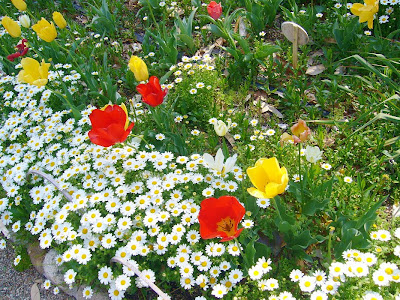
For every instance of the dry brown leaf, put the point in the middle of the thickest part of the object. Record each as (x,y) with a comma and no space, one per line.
(328,142)
(35,293)
(247,98)
(242,28)
(313,55)
(315,70)
(310,96)
(340,70)
(81,19)
(330,40)
(230,139)
(208,50)
(265,107)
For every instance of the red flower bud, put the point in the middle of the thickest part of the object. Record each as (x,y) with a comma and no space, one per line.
(151,92)
(214,10)
(110,125)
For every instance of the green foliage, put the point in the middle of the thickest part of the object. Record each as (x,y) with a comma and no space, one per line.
(103,21)
(261,13)
(185,37)
(25,262)
(199,103)
(167,42)
(345,34)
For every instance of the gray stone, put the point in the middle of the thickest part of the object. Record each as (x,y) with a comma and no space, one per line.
(52,272)
(36,255)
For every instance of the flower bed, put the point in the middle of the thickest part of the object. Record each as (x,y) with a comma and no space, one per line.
(141,205)
(190,186)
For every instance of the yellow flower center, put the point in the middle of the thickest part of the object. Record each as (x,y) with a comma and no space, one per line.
(226,225)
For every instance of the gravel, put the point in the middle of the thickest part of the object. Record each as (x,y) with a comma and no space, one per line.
(15,285)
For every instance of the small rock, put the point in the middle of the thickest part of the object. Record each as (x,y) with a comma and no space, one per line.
(52,272)
(37,255)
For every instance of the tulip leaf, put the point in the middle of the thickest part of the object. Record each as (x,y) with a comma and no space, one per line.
(262,250)
(249,254)
(304,239)
(283,226)
(282,212)
(187,40)
(266,50)
(311,207)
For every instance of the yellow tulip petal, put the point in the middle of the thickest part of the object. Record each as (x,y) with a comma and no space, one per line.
(355,9)
(40,82)
(272,189)
(284,181)
(59,20)
(127,119)
(139,68)
(257,175)
(271,168)
(19,4)
(11,26)
(256,193)
(370,23)
(365,16)
(29,64)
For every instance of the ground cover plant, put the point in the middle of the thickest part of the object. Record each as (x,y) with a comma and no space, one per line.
(181,138)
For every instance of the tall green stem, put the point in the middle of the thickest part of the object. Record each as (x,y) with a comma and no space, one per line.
(240,249)
(152,16)
(300,177)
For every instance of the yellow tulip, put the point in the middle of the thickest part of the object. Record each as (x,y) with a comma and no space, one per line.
(59,20)
(45,30)
(139,68)
(366,11)
(268,178)
(11,26)
(33,72)
(19,4)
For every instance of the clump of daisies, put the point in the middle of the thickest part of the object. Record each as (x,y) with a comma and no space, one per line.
(127,201)
(194,82)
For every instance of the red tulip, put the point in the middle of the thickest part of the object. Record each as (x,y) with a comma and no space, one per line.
(110,125)
(220,218)
(151,92)
(214,10)
(22,50)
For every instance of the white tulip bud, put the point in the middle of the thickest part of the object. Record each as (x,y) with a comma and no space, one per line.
(221,128)
(24,21)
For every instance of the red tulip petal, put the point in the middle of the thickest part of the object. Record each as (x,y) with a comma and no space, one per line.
(103,119)
(213,211)
(127,132)
(101,137)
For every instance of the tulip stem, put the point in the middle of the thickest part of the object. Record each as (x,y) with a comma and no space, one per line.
(300,177)
(142,138)
(70,54)
(34,20)
(76,113)
(238,245)
(152,16)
